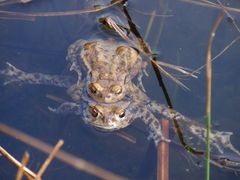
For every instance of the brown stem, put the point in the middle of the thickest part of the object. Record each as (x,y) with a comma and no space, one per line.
(163,153)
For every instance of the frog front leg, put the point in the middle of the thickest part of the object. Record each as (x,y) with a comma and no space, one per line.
(74,58)
(12,74)
(67,108)
(75,91)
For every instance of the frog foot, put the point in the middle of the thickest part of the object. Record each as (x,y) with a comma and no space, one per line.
(66,108)
(158,139)
(11,74)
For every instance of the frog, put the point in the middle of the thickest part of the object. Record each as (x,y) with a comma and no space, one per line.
(110,67)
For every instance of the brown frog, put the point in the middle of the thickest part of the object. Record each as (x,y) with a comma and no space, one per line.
(110,68)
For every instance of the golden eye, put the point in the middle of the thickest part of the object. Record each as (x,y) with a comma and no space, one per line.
(94,88)
(121,113)
(116,89)
(93,110)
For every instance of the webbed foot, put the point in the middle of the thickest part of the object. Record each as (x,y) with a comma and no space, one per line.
(66,108)
(75,92)
(12,74)
(74,54)
(154,126)
(158,138)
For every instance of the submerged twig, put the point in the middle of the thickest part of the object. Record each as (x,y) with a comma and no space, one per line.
(15,16)
(209,91)
(126,136)
(15,162)
(24,162)
(150,14)
(32,15)
(55,98)
(163,154)
(159,32)
(8,2)
(219,54)
(49,159)
(169,75)
(150,23)
(211,4)
(70,159)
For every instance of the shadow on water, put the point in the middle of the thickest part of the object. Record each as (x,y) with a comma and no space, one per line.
(41,46)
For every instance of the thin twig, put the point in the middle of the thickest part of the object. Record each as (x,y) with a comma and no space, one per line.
(150,23)
(49,159)
(8,2)
(15,15)
(212,5)
(219,54)
(24,162)
(159,32)
(163,154)
(15,162)
(126,136)
(169,75)
(229,15)
(150,14)
(70,159)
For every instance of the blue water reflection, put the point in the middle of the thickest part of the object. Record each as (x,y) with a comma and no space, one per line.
(41,46)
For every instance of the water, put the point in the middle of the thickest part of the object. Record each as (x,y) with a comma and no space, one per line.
(41,46)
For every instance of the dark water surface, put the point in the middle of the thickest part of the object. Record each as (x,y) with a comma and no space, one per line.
(41,46)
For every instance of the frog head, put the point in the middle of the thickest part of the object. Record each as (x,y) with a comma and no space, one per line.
(107,91)
(108,117)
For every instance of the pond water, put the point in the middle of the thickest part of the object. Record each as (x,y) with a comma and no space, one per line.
(181,39)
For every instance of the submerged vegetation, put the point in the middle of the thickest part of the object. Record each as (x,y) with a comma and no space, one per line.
(119,25)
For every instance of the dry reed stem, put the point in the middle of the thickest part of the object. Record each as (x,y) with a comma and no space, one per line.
(24,162)
(209,64)
(94,9)
(220,53)
(169,75)
(15,162)
(8,2)
(70,159)
(163,153)
(209,92)
(212,5)
(49,159)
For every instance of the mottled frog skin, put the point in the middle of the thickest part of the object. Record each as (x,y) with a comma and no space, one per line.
(110,67)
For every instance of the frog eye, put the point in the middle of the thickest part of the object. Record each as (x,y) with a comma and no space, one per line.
(121,113)
(116,89)
(94,88)
(93,110)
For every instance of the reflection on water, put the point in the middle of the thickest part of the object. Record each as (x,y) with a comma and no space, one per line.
(41,46)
